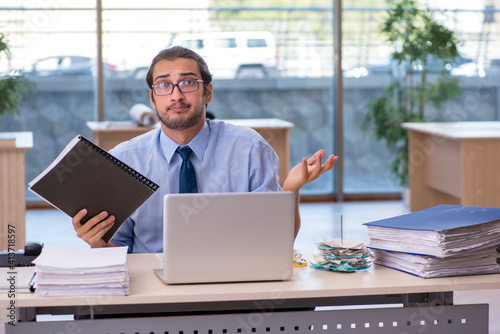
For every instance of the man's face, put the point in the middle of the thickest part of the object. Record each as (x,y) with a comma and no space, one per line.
(179,111)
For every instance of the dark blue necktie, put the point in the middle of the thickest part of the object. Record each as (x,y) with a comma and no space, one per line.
(187,177)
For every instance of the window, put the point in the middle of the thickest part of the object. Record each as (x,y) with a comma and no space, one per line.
(225,43)
(193,44)
(256,43)
(286,74)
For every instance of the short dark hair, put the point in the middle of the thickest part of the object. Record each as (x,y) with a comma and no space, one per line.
(180,52)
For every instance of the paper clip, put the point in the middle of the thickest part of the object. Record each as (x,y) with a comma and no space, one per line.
(298,261)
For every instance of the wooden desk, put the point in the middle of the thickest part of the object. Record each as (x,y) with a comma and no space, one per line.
(275,131)
(307,288)
(109,134)
(13,189)
(454,163)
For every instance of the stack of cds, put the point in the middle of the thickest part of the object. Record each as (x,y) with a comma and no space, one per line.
(341,255)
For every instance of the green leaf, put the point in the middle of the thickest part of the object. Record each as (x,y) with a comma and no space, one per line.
(416,36)
(12,87)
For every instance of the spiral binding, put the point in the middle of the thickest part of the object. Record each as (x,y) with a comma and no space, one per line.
(123,166)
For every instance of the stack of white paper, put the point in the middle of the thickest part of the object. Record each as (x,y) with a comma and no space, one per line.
(483,261)
(341,255)
(62,271)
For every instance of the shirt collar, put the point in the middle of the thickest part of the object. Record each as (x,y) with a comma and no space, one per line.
(198,144)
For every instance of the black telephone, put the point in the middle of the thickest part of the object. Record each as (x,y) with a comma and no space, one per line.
(21,258)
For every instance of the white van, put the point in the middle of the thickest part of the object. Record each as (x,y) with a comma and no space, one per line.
(234,54)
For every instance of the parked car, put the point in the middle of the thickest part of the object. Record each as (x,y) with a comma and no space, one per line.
(67,66)
(234,54)
(391,68)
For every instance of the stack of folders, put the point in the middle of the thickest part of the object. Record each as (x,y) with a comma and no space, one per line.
(62,271)
(445,240)
(341,255)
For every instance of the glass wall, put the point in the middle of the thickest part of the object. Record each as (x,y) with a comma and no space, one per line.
(54,46)
(270,59)
(266,63)
(368,69)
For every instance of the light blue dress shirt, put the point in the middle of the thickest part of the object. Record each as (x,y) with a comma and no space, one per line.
(226,158)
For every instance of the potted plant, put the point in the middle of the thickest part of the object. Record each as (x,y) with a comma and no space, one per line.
(417,39)
(12,86)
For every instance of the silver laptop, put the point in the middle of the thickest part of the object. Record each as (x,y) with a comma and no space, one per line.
(227,237)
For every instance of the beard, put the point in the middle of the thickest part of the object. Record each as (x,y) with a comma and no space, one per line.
(181,123)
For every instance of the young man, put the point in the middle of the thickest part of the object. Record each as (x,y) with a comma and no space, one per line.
(225,158)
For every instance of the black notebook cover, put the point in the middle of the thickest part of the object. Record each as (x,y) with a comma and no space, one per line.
(86,176)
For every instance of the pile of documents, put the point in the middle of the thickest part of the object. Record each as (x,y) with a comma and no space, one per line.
(483,261)
(445,240)
(62,271)
(341,255)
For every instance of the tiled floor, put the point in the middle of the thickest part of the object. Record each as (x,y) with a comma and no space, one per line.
(319,221)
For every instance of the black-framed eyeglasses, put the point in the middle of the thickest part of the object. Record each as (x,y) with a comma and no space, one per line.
(185,86)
